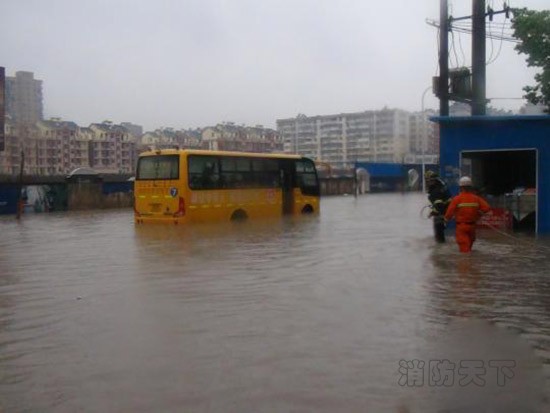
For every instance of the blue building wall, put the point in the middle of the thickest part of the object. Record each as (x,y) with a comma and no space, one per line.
(485,133)
(390,176)
(384,176)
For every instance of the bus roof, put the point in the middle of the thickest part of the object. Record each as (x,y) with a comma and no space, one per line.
(219,153)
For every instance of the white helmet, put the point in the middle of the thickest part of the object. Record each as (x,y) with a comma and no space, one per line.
(465,181)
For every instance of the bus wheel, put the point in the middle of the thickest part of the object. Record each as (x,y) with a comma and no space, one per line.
(308,209)
(239,215)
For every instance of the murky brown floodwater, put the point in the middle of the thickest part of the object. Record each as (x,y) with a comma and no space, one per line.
(308,315)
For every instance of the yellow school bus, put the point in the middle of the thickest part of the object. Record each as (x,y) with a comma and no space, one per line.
(178,186)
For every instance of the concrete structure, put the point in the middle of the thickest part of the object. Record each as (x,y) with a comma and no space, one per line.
(342,139)
(24,97)
(508,158)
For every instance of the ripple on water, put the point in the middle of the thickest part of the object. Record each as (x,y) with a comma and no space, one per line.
(295,314)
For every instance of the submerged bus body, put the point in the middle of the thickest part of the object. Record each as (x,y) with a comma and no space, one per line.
(179,186)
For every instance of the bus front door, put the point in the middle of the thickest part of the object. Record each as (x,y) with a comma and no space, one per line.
(287,183)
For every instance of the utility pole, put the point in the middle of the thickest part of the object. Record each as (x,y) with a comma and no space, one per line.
(478,57)
(443,87)
(476,97)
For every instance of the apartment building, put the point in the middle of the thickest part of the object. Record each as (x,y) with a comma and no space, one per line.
(342,139)
(52,150)
(112,148)
(10,158)
(56,147)
(231,137)
(24,97)
(169,138)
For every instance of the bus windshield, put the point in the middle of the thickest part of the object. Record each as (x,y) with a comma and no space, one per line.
(158,167)
(307,177)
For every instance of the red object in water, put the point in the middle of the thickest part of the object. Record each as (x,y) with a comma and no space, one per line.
(497,218)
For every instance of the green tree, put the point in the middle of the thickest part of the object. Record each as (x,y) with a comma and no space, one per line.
(533,29)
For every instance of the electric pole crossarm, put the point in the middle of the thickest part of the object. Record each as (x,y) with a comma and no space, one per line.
(489,13)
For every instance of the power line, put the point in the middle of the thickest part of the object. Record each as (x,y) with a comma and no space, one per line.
(492,50)
(499,48)
(461,49)
(468,30)
(453,49)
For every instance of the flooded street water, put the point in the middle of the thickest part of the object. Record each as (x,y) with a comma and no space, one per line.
(304,315)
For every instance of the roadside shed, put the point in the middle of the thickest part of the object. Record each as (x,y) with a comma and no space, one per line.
(508,158)
(84,175)
(382,177)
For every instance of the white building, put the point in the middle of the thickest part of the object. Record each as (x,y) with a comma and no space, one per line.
(424,134)
(342,139)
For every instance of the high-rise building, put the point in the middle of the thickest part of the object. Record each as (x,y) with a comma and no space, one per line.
(424,134)
(24,98)
(342,139)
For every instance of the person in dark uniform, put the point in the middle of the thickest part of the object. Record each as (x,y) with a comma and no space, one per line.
(439,197)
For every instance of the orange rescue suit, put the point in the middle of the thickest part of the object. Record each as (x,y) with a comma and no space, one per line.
(466,208)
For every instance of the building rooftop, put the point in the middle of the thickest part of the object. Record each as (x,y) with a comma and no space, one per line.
(477,119)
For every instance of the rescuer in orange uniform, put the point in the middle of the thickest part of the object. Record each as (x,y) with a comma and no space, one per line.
(466,208)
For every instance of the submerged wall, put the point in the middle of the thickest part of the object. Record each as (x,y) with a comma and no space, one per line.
(66,196)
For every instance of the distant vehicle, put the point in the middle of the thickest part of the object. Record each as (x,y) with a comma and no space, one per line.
(179,186)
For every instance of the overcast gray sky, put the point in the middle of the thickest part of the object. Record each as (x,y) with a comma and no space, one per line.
(194,63)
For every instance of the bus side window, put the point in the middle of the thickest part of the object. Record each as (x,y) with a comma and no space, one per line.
(265,173)
(203,172)
(243,176)
(211,174)
(228,172)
